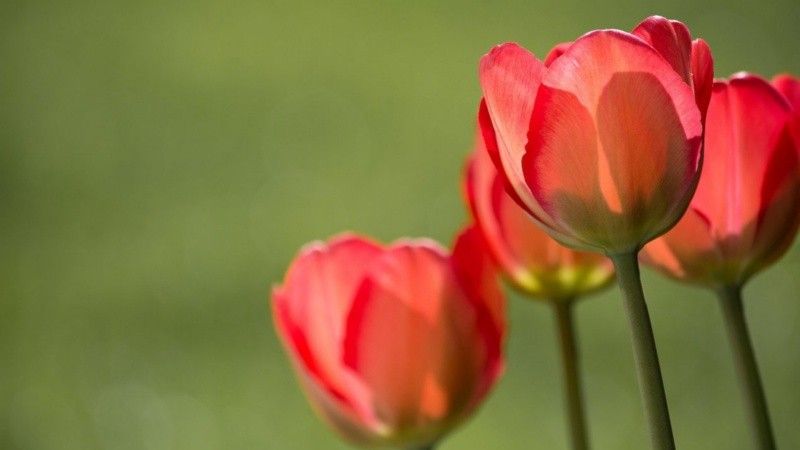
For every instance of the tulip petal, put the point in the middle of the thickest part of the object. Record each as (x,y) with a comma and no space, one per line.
(310,311)
(789,86)
(403,338)
(477,274)
(687,251)
(556,52)
(630,177)
(702,75)
(534,211)
(510,77)
(746,119)
(517,242)
(489,138)
(672,40)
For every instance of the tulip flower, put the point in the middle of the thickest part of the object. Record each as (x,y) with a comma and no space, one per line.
(394,345)
(744,216)
(602,147)
(538,266)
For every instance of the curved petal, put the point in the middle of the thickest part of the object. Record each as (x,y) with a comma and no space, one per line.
(614,144)
(510,77)
(310,310)
(556,52)
(672,40)
(691,59)
(488,138)
(477,276)
(746,119)
(687,252)
(702,75)
(779,218)
(409,339)
(789,86)
(488,145)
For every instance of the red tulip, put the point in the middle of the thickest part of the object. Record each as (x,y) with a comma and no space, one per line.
(393,345)
(746,211)
(602,147)
(532,260)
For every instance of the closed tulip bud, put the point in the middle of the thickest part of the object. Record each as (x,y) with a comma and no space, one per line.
(394,345)
(746,211)
(602,145)
(534,262)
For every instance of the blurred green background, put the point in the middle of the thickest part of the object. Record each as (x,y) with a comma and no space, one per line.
(162,161)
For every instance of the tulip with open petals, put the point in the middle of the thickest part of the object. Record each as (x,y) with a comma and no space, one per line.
(744,216)
(394,345)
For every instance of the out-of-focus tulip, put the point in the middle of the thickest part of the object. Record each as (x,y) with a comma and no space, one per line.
(746,211)
(395,345)
(532,260)
(602,146)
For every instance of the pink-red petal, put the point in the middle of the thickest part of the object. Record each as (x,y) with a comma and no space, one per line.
(510,77)
(403,339)
(556,52)
(746,119)
(672,40)
(702,75)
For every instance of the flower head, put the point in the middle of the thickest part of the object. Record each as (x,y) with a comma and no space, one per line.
(394,345)
(602,146)
(746,211)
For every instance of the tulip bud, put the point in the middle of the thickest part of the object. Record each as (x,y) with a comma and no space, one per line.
(393,345)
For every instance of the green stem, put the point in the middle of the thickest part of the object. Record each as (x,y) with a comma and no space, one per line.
(572,384)
(755,403)
(651,385)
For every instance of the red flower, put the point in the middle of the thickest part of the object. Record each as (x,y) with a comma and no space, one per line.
(393,345)
(532,260)
(746,211)
(602,147)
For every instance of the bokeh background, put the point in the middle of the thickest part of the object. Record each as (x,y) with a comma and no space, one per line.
(162,161)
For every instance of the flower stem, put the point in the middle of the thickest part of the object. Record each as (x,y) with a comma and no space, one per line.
(755,403)
(651,385)
(572,383)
